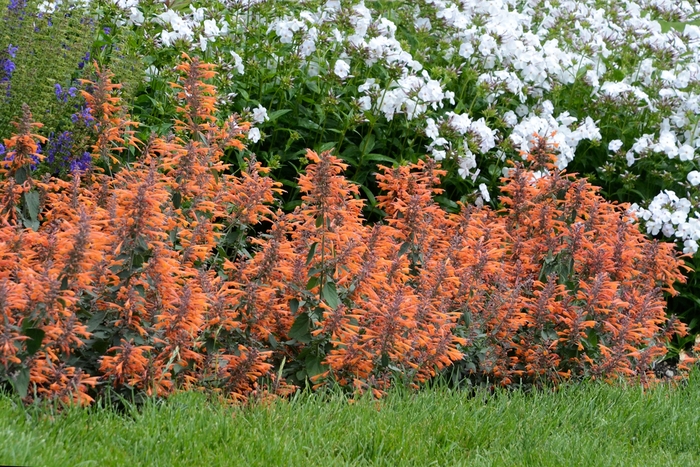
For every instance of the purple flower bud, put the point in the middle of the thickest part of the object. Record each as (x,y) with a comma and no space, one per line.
(84,60)
(7,67)
(17,5)
(83,115)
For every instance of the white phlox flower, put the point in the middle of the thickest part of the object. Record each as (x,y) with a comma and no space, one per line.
(341,69)
(254,135)
(260,114)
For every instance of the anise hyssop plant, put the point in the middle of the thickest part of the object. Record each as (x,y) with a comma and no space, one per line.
(162,273)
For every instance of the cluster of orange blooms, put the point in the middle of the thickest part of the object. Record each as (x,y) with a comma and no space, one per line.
(128,281)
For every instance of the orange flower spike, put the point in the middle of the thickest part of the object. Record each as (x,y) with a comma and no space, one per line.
(113,122)
(10,342)
(325,191)
(234,131)
(22,147)
(199,98)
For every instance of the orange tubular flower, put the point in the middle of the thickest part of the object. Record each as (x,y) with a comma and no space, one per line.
(128,365)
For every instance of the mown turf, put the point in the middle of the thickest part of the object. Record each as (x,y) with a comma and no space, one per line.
(592,424)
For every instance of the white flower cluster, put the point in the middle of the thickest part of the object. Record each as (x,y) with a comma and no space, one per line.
(259,115)
(472,130)
(49,6)
(667,143)
(184,27)
(557,130)
(412,95)
(135,14)
(670,215)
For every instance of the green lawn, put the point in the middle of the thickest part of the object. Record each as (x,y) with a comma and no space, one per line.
(592,424)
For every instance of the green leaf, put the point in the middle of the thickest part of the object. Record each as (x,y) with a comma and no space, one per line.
(277,114)
(350,155)
(22,175)
(30,224)
(314,271)
(404,248)
(367,144)
(380,158)
(232,237)
(326,146)
(319,221)
(313,365)
(33,344)
(20,382)
(179,4)
(330,295)
(31,200)
(141,244)
(385,359)
(210,345)
(370,196)
(177,199)
(447,203)
(679,26)
(306,123)
(312,250)
(294,306)
(549,334)
(313,86)
(591,339)
(300,329)
(289,206)
(313,282)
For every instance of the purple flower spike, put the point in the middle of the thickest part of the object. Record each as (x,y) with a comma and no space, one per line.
(7,67)
(59,148)
(82,164)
